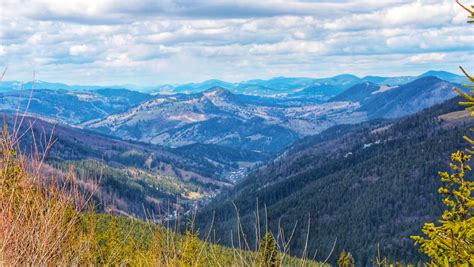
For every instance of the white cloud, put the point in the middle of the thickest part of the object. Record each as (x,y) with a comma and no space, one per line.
(288,47)
(150,42)
(427,58)
(77,50)
(117,12)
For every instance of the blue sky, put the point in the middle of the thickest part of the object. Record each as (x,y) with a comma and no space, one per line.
(148,42)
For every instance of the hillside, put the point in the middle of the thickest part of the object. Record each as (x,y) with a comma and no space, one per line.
(242,122)
(364,184)
(267,125)
(385,101)
(409,98)
(48,219)
(360,92)
(72,107)
(137,177)
(185,150)
(220,117)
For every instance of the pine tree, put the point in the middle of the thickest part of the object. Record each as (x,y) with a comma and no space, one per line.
(268,251)
(452,241)
(346,259)
(191,248)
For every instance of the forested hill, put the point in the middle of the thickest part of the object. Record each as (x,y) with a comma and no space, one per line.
(367,184)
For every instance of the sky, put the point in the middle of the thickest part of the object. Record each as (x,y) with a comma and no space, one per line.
(152,42)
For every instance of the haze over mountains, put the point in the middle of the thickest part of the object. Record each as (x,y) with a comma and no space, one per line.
(272,87)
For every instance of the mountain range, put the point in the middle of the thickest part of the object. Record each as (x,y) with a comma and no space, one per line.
(249,125)
(278,86)
(318,88)
(354,155)
(217,116)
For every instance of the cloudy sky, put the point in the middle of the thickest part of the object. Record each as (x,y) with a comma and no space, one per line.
(149,42)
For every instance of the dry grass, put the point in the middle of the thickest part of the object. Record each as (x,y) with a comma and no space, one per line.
(35,223)
(38,217)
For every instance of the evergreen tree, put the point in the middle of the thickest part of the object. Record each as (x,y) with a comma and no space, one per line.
(346,259)
(191,248)
(452,242)
(268,251)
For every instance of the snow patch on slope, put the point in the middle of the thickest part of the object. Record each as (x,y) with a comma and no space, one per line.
(384,88)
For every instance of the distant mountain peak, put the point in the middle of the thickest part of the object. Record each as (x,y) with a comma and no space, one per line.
(218,91)
(444,75)
(428,78)
(358,92)
(220,94)
(437,72)
(346,76)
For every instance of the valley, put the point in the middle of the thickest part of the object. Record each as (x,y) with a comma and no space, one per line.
(236,133)
(372,183)
(321,148)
